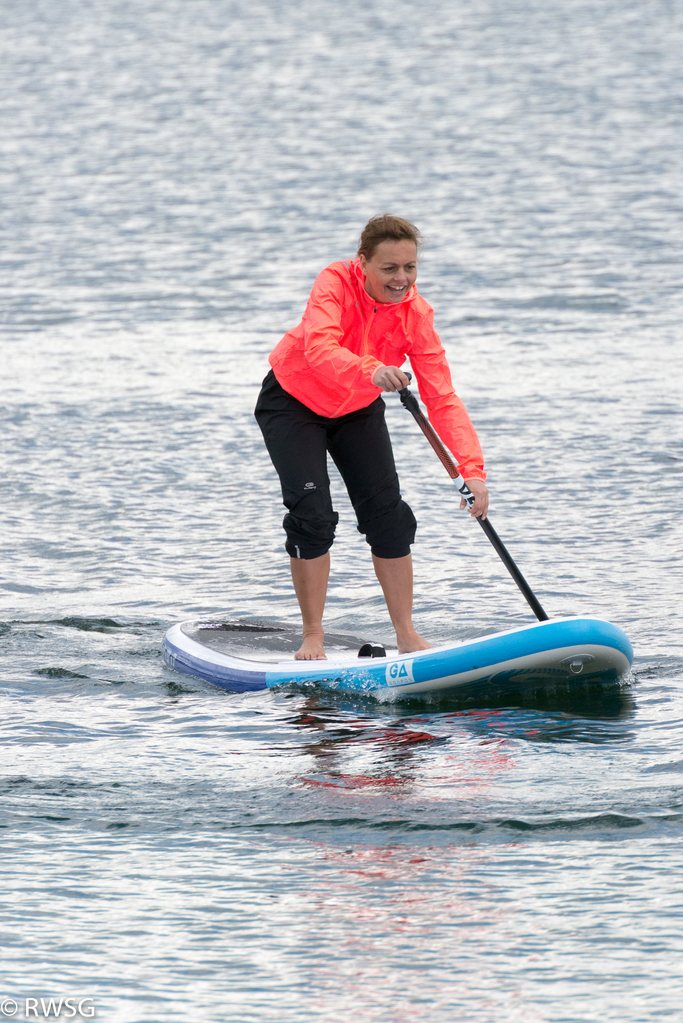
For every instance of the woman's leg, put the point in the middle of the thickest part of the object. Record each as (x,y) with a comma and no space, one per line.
(395,576)
(296,439)
(310,585)
(361,449)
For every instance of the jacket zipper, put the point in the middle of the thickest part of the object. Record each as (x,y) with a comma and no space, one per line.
(367,333)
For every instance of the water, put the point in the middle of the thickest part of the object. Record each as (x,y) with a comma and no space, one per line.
(174,175)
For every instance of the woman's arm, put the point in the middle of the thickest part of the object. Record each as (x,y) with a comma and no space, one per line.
(391,378)
(446,411)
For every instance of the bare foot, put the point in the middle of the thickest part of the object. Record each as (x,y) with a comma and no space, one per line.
(409,642)
(311,649)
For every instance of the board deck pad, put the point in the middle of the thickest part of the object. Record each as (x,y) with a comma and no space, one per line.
(265,641)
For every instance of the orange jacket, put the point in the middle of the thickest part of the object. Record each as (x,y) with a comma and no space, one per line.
(329,360)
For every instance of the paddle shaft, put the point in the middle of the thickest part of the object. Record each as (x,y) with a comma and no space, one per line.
(410,402)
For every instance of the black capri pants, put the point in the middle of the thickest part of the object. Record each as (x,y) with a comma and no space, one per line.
(298,440)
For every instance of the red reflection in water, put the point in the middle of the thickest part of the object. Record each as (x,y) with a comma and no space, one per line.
(351,781)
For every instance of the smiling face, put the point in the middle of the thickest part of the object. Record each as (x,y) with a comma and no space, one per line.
(391,271)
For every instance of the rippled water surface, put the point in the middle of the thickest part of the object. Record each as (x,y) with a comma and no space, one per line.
(173,176)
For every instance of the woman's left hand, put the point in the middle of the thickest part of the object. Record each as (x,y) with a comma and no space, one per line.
(481,498)
(390,378)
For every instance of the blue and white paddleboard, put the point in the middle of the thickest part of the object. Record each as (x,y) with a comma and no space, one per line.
(566,652)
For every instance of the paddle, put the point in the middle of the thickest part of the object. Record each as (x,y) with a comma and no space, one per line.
(410,402)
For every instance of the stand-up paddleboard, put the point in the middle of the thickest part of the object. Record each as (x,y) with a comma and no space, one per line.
(550,653)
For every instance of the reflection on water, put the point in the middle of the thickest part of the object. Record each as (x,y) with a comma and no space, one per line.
(400,755)
(588,713)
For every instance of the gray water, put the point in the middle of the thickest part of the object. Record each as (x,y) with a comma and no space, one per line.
(173,175)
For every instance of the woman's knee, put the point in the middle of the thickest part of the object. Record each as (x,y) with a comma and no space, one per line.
(310,527)
(391,532)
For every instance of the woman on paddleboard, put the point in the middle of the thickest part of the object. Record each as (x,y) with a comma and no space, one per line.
(363,318)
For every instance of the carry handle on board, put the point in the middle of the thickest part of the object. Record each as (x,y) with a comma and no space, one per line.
(410,402)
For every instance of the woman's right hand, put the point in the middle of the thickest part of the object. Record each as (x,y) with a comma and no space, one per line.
(390,378)
(481,498)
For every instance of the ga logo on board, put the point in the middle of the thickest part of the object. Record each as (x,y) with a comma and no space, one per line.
(399,673)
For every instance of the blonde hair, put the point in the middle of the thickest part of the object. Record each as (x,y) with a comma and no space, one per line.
(386,227)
